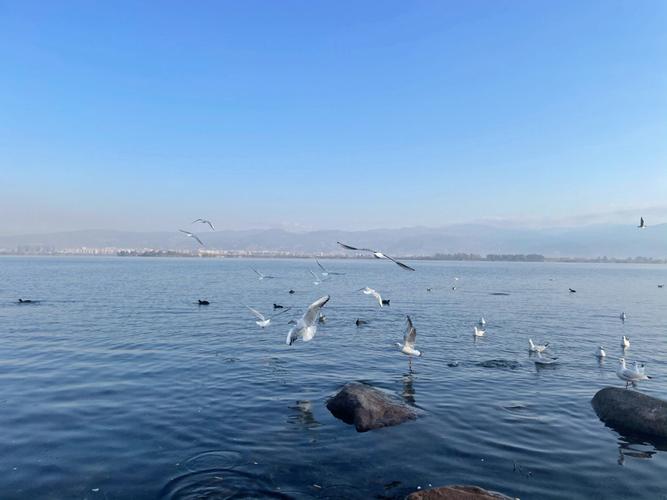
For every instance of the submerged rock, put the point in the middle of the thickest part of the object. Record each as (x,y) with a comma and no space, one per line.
(457,492)
(631,411)
(500,363)
(368,408)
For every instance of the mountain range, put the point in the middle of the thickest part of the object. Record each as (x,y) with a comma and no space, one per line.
(587,241)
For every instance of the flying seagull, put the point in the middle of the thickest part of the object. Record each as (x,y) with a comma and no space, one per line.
(630,376)
(263,321)
(370,291)
(409,340)
(642,224)
(192,235)
(326,272)
(317,279)
(204,221)
(262,276)
(376,254)
(306,326)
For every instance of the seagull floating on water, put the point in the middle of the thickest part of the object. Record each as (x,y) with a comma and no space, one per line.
(409,340)
(370,291)
(192,235)
(630,376)
(600,352)
(263,321)
(478,332)
(625,342)
(376,254)
(537,347)
(482,322)
(204,221)
(642,224)
(326,272)
(306,326)
(262,276)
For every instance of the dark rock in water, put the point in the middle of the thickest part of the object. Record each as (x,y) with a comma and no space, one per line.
(631,411)
(457,492)
(500,363)
(368,408)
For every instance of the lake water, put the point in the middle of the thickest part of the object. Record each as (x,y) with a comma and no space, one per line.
(117,385)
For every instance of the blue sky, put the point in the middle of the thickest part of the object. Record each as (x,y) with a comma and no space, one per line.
(351,115)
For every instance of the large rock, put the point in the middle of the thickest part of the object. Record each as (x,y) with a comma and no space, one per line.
(457,492)
(368,408)
(631,411)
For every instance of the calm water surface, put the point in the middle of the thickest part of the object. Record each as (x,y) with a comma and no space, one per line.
(117,385)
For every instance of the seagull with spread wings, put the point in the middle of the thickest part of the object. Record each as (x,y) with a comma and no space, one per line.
(376,254)
(192,235)
(262,276)
(306,326)
(369,291)
(204,221)
(409,340)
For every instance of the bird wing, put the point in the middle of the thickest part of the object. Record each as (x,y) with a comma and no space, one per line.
(257,272)
(310,317)
(210,224)
(317,278)
(196,220)
(198,240)
(377,296)
(410,336)
(257,313)
(404,266)
(349,247)
(186,232)
(321,266)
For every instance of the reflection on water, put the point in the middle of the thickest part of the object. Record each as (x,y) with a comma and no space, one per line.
(303,414)
(408,393)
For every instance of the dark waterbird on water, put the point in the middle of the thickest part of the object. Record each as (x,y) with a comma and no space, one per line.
(291,292)
(25,301)
(385,302)
(360,322)
(642,224)
(203,302)
(572,290)
(376,254)
(278,306)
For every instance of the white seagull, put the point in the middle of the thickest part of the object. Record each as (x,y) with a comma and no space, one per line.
(478,332)
(204,221)
(542,361)
(482,322)
(306,326)
(409,340)
(262,320)
(630,376)
(537,348)
(262,276)
(192,235)
(376,254)
(642,224)
(370,291)
(625,342)
(326,272)
(600,352)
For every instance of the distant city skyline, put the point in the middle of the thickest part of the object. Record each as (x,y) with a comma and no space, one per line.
(346,115)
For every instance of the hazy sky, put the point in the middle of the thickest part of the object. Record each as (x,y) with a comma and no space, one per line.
(146,115)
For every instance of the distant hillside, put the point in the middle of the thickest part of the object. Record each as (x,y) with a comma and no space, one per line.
(589,241)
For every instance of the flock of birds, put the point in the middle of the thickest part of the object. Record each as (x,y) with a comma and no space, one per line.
(306,327)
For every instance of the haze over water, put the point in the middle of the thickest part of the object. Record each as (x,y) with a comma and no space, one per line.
(117,385)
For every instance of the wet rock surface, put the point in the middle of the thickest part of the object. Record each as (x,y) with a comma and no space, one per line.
(627,410)
(457,492)
(368,408)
